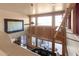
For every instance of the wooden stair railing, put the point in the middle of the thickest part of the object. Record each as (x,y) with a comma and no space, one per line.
(61,30)
(59,34)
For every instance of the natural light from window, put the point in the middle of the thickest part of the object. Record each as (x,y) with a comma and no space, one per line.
(45,21)
(58,20)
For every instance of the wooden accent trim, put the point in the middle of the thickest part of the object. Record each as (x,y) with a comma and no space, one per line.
(29,35)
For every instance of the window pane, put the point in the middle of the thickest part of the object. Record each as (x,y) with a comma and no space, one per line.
(58,20)
(39,42)
(45,21)
(50,46)
(58,48)
(33,41)
(45,44)
(33,20)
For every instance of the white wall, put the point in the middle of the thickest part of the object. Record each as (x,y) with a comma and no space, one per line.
(12,15)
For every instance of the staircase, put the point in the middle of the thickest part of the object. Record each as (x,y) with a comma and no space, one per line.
(49,32)
(61,31)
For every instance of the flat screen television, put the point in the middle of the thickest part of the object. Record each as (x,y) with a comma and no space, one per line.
(13,25)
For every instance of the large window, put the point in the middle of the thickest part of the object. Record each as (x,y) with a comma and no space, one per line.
(13,25)
(51,20)
(45,21)
(45,44)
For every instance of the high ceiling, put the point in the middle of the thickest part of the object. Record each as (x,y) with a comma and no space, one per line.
(28,8)
(22,8)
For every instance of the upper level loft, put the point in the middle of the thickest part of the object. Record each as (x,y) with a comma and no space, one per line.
(43,26)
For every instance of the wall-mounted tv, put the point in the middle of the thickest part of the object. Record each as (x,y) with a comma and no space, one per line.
(13,25)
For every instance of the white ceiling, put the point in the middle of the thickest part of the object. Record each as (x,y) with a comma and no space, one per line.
(23,8)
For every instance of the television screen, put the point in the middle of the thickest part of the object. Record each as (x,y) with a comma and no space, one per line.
(13,25)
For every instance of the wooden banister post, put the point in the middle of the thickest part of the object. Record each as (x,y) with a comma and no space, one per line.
(53,40)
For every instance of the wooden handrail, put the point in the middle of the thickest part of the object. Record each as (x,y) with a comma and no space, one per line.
(62,29)
(67,13)
(53,35)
